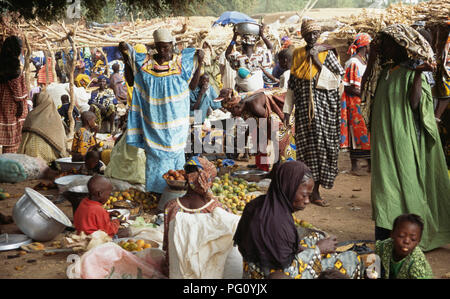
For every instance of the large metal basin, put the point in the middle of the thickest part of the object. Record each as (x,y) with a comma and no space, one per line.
(253,175)
(248,28)
(38,217)
(64,182)
(66,164)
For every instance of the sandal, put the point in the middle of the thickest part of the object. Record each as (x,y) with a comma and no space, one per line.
(320,202)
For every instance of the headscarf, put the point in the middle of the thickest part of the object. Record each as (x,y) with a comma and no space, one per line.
(140,48)
(9,58)
(101,77)
(416,47)
(286,42)
(309,25)
(361,40)
(45,121)
(201,180)
(266,233)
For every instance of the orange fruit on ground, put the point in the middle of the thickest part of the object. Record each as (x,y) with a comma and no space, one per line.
(140,243)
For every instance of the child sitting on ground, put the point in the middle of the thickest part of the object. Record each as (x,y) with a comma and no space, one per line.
(84,139)
(401,257)
(90,215)
(93,164)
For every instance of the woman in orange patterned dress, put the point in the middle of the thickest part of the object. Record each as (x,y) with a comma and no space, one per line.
(354,133)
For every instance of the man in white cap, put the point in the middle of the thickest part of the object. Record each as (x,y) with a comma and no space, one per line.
(158,120)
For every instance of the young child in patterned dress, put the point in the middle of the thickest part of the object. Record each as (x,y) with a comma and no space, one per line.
(401,257)
(84,138)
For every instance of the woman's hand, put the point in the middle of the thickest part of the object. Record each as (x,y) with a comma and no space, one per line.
(235,33)
(200,56)
(261,30)
(327,245)
(426,67)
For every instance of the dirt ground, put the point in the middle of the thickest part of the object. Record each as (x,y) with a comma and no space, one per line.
(348,217)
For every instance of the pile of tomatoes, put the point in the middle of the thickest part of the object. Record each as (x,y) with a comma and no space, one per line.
(175,175)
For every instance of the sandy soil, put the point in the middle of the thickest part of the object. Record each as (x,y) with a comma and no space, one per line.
(342,218)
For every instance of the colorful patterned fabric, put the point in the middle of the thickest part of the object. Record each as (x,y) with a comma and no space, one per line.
(99,68)
(158,120)
(274,113)
(201,180)
(42,74)
(409,173)
(12,91)
(354,133)
(416,47)
(309,263)
(361,40)
(105,98)
(82,141)
(444,82)
(82,80)
(414,266)
(261,57)
(308,26)
(317,143)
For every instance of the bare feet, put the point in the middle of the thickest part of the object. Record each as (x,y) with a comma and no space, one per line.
(315,197)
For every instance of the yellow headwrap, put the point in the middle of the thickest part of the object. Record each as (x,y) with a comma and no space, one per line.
(140,48)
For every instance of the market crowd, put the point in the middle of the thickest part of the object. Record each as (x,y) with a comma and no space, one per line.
(388,104)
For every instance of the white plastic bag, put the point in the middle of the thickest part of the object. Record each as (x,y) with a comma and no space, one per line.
(111,261)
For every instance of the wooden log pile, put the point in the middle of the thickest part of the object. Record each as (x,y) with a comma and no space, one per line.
(185,30)
(371,21)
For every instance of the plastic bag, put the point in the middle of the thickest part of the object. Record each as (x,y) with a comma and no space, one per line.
(110,261)
(11,171)
(56,90)
(34,168)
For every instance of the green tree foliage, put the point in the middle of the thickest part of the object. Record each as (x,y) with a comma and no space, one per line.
(50,10)
(107,10)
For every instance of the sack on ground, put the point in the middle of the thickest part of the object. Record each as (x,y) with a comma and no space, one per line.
(16,168)
(110,261)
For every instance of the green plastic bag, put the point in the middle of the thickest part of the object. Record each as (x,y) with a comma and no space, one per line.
(11,171)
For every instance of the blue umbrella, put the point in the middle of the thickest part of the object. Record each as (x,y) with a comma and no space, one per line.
(233,17)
